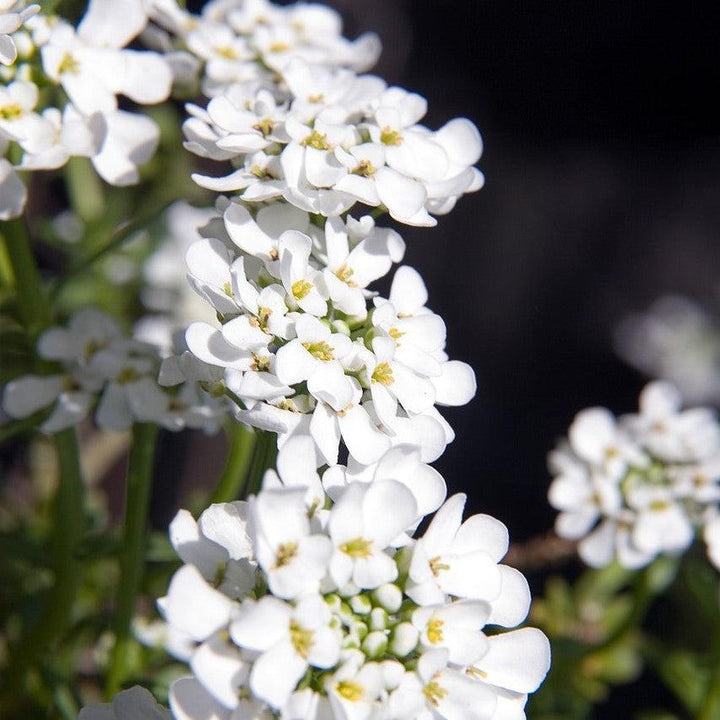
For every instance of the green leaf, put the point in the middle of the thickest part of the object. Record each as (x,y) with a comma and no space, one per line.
(682,671)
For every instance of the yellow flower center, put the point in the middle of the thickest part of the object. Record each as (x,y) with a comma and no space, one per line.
(434,692)
(383,374)
(11,111)
(434,631)
(321,350)
(317,140)
(285,553)
(350,690)
(357,548)
(226,52)
(364,168)
(388,136)
(300,288)
(260,363)
(344,273)
(264,126)
(262,173)
(68,64)
(301,639)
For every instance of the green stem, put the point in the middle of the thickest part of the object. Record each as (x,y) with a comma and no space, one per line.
(69,525)
(34,310)
(231,484)
(85,189)
(132,552)
(263,458)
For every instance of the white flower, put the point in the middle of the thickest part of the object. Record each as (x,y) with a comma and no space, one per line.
(458,558)
(362,524)
(91,65)
(288,640)
(293,559)
(439,691)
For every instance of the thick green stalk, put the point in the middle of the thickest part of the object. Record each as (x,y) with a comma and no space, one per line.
(69,525)
(132,552)
(232,482)
(263,458)
(34,310)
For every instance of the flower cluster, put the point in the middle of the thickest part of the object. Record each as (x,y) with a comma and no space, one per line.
(638,486)
(92,67)
(290,112)
(295,610)
(99,361)
(300,349)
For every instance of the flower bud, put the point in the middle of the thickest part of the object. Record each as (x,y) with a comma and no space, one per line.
(375,644)
(361,604)
(378,619)
(404,639)
(388,596)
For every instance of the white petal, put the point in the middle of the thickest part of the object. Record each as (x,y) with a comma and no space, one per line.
(193,606)
(30,393)
(130,141)
(482,532)
(219,668)
(456,385)
(402,196)
(364,441)
(511,607)
(112,24)
(226,525)
(408,292)
(517,660)
(261,624)
(193,548)
(275,674)
(325,431)
(190,701)
(461,141)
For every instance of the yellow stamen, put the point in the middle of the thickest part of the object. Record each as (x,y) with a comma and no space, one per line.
(357,548)
(321,350)
(285,553)
(388,136)
(317,140)
(349,690)
(434,631)
(383,374)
